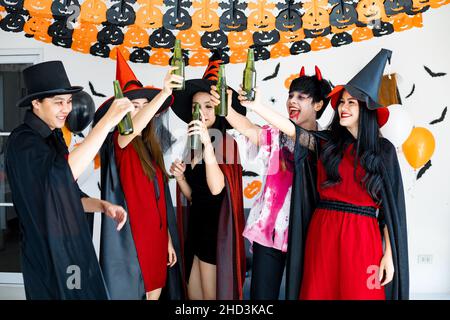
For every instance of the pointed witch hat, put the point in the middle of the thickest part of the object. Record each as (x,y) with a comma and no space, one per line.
(366,85)
(182,105)
(132,88)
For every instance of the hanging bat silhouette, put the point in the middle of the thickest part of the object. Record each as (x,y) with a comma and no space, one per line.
(95,93)
(412,91)
(98,185)
(249,174)
(423,169)
(441,118)
(434,74)
(273,100)
(274,74)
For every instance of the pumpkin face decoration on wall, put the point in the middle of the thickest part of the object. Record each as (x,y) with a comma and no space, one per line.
(289,18)
(140,55)
(81,45)
(292,36)
(238,55)
(279,50)
(190,39)
(300,47)
(136,37)
(100,49)
(266,38)
(199,58)
(205,18)
(122,13)
(123,50)
(63,9)
(261,53)
(261,18)
(149,15)
(341,39)
(38,8)
(418,6)
(361,34)
(320,43)
(61,35)
(370,11)
(240,39)
(93,11)
(343,17)
(394,7)
(37,27)
(111,34)
(177,18)
(316,20)
(86,31)
(384,29)
(162,38)
(12,5)
(214,40)
(160,57)
(234,18)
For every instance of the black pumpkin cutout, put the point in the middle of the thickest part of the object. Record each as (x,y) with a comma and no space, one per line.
(261,53)
(162,38)
(214,40)
(185,57)
(59,30)
(289,18)
(140,55)
(100,49)
(222,53)
(121,14)
(317,32)
(177,18)
(12,6)
(415,10)
(111,34)
(300,47)
(393,7)
(383,29)
(12,22)
(62,42)
(266,38)
(343,15)
(341,39)
(233,18)
(63,9)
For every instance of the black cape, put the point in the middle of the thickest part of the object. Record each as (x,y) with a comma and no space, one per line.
(305,198)
(118,256)
(56,242)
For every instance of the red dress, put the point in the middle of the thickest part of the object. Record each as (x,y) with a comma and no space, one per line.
(343,249)
(147,215)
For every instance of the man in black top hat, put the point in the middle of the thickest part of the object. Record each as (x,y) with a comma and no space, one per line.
(58,257)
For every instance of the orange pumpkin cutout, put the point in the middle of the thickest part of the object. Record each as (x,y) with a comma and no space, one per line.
(85,32)
(417,20)
(149,15)
(38,27)
(292,36)
(39,8)
(205,18)
(160,57)
(438,3)
(418,5)
(252,189)
(93,11)
(279,50)
(199,58)
(123,50)
(320,43)
(316,16)
(402,22)
(261,17)
(288,81)
(238,39)
(238,55)
(190,39)
(81,45)
(371,10)
(361,34)
(135,37)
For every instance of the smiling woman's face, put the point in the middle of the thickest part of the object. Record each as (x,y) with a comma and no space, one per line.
(348,109)
(204,99)
(301,108)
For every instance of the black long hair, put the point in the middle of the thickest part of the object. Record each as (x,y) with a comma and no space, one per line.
(366,149)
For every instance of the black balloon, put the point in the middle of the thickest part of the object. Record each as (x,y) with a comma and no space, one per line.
(82,114)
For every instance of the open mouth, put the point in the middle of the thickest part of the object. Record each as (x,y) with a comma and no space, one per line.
(289,26)
(261,26)
(179,25)
(162,44)
(294,113)
(233,26)
(371,15)
(214,44)
(345,115)
(266,40)
(62,118)
(343,21)
(207,26)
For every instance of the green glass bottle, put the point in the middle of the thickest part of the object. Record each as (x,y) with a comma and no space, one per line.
(178,61)
(222,108)
(249,82)
(196,142)
(126,124)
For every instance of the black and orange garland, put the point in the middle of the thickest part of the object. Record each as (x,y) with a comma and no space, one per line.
(145,30)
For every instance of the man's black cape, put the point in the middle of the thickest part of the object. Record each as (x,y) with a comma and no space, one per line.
(118,257)
(58,257)
(305,198)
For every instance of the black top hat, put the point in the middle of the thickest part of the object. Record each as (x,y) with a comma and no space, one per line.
(46,79)
(182,105)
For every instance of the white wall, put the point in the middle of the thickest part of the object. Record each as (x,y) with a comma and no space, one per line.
(427,199)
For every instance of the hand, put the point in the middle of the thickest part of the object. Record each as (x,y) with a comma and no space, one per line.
(172,256)
(199,127)
(215,97)
(115,212)
(171,81)
(118,109)
(386,270)
(252,105)
(177,169)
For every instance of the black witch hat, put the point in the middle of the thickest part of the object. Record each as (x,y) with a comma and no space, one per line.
(182,105)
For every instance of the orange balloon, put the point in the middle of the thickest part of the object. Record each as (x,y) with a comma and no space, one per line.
(67,135)
(419,147)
